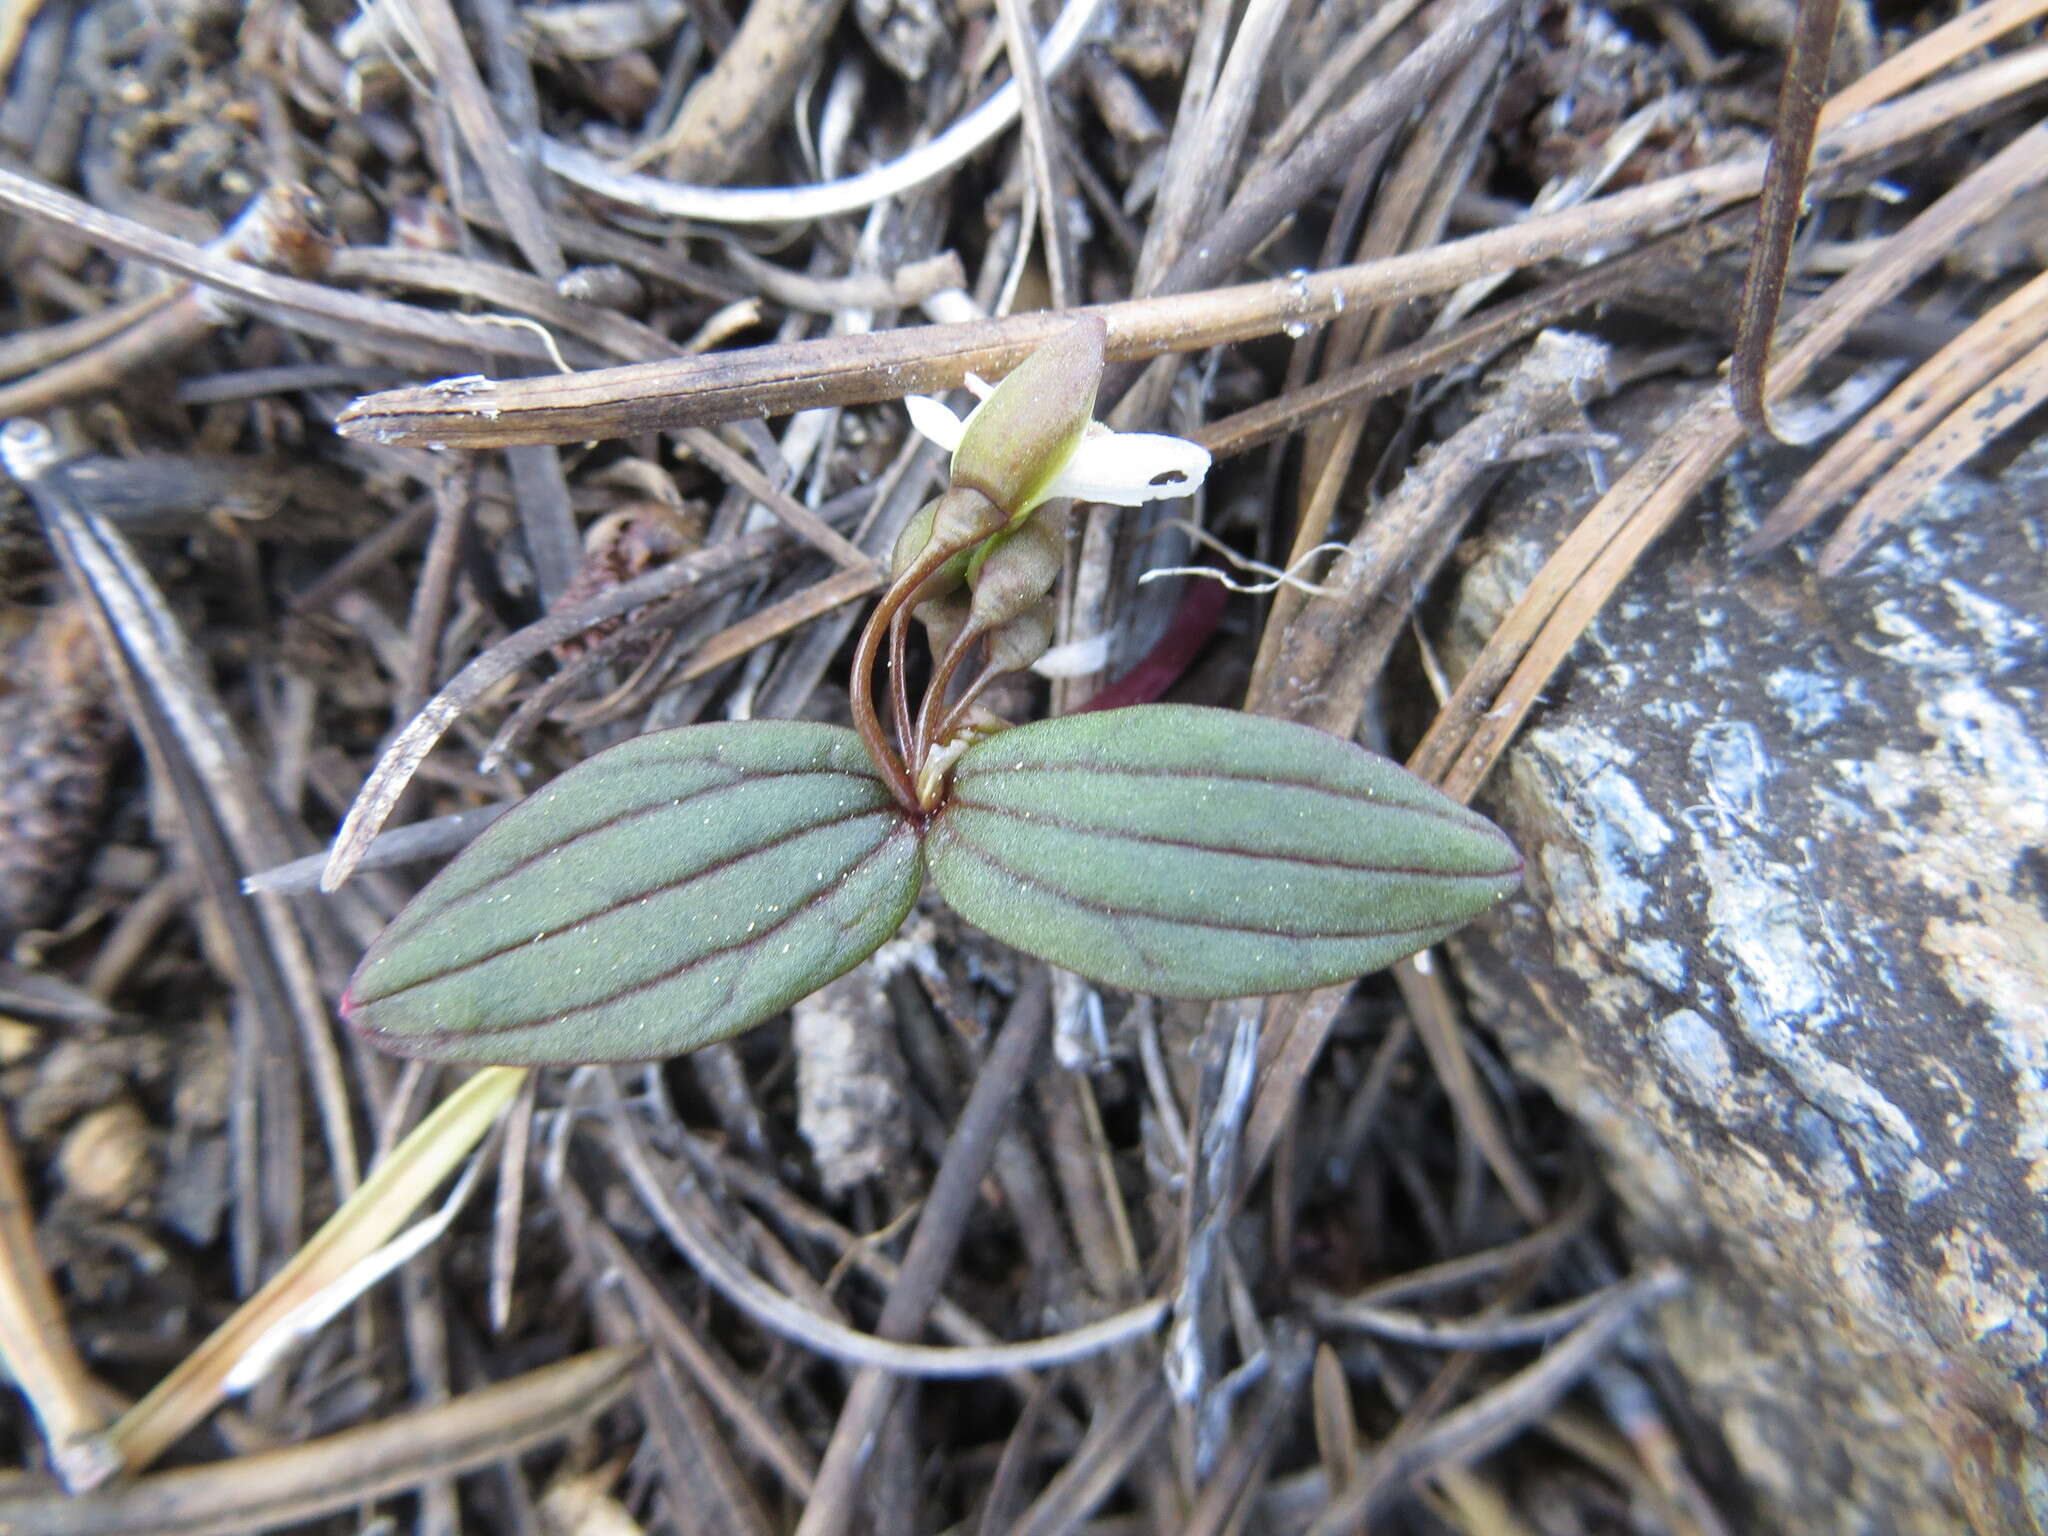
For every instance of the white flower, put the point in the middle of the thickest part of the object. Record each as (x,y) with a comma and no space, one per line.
(1125,469)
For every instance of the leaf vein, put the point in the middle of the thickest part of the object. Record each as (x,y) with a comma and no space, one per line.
(1087,829)
(665,888)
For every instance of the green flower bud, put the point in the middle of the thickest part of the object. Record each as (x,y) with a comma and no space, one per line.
(943,618)
(1015,570)
(961,520)
(1019,440)
(1017,644)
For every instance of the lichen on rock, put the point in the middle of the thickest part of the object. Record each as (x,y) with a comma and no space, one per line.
(1785,953)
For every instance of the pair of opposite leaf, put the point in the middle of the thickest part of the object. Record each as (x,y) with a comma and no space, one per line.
(692,883)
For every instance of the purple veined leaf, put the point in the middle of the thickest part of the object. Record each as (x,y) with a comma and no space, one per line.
(1205,853)
(669,892)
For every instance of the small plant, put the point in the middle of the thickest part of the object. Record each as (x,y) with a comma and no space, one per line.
(687,885)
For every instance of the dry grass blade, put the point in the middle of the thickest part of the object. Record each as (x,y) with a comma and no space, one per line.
(1969,429)
(326,1476)
(355,317)
(30,351)
(1471,1430)
(366,1222)
(1225,1497)
(685,1219)
(192,743)
(765,624)
(1336,1425)
(1976,27)
(1470,344)
(800,519)
(1501,686)
(402,758)
(1122,1433)
(857,370)
(484,135)
(1523,1254)
(1327,661)
(1039,142)
(1460,30)
(1770,258)
(1435,1009)
(1410,212)
(1489,1331)
(668,1331)
(160,330)
(1998,339)
(1008,1066)
(35,1342)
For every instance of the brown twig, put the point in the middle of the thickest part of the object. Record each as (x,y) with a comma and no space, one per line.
(854,370)
(1999,339)
(1770,258)
(1009,1065)
(1468,735)
(324,1476)
(35,1342)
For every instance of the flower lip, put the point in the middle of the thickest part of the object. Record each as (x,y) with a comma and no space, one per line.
(1124,469)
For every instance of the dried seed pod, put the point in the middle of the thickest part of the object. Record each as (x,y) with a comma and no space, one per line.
(620,546)
(61,736)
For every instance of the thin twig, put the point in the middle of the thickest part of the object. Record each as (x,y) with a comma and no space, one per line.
(1468,1432)
(787,205)
(885,365)
(1770,258)
(1008,1066)
(328,1475)
(35,1342)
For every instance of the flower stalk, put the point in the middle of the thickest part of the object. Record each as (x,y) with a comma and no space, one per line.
(999,531)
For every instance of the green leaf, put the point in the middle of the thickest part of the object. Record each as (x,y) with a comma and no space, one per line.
(1205,853)
(667,893)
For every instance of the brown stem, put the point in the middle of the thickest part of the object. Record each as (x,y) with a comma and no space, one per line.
(935,694)
(861,695)
(861,690)
(899,684)
(958,713)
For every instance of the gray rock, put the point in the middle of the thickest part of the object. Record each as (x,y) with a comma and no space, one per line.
(1784,952)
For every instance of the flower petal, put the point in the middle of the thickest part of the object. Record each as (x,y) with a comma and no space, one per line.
(1122,467)
(935,420)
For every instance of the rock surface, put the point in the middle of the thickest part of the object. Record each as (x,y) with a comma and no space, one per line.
(1784,951)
